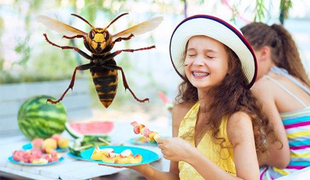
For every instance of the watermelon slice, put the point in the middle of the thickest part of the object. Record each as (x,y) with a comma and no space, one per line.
(79,129)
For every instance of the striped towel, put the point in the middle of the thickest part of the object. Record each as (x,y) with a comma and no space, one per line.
(297,126)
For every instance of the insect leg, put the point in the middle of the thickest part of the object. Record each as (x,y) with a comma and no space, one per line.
(69,47)
(72,37)
(112,67)
(80,68)
(112,55)
(121,38)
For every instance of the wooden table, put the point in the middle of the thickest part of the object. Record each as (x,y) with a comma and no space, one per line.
(72,168)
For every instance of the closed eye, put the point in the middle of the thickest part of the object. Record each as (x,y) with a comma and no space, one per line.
(209,57)
(191,55)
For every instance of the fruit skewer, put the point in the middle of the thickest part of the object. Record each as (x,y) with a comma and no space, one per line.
(141,129)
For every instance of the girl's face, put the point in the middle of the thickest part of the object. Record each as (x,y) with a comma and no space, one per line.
(206,62)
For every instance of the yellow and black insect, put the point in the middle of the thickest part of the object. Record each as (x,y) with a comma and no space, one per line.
(100,42)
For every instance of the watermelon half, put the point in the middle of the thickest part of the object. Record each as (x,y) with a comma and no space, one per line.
(92,128)
(39,119)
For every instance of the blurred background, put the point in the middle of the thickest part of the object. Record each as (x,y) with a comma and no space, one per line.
(29,66)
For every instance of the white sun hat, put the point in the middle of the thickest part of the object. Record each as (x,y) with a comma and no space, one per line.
(219,30)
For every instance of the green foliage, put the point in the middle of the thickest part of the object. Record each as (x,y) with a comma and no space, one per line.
(1,26)
(48,64)
(285,5)
(23,49)
(91,8)
(260,10)
(57,65)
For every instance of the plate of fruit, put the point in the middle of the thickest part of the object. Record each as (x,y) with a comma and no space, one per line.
(87,141)
(120,155)
(56,142)
(35,157)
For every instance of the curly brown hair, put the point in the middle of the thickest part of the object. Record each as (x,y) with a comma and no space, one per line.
(284,52)
(231,96)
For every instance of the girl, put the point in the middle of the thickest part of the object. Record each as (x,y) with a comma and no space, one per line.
(218,128)
(283,88)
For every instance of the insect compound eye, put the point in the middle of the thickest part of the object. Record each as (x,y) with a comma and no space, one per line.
(106,35)
(91,34)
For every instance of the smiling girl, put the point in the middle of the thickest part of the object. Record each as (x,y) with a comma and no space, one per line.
(218,127)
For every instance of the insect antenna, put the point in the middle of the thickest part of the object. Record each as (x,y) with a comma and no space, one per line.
(83,20)
(115,19)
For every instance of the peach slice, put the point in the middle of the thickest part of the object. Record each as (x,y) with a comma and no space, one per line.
(123,160)
(97,154)
(137,159)
(108,159)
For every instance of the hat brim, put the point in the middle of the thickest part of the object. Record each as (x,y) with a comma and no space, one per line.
(219,30)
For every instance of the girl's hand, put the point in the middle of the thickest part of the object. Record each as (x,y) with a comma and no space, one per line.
(176,149)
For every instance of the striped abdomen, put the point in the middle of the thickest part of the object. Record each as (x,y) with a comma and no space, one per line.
(106,84)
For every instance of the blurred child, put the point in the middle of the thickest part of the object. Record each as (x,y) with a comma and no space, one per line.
(283,88)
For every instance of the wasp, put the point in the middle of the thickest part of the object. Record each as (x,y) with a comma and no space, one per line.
(100,43)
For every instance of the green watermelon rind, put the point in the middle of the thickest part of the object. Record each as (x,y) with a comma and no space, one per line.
(37,118)
(74,134)
(86,142)
(95,139)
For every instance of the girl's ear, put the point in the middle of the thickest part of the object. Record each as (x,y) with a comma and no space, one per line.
(264,53)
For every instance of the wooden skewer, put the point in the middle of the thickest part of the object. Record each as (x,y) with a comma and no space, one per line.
(103,140)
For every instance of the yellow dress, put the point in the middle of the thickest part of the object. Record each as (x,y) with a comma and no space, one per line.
(223,157)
